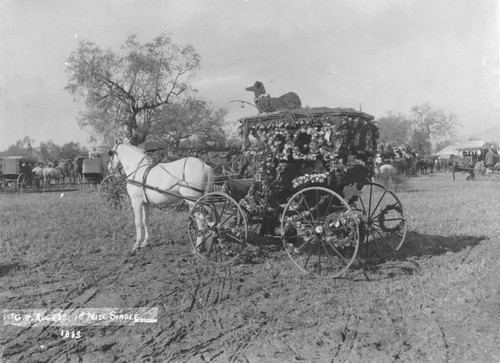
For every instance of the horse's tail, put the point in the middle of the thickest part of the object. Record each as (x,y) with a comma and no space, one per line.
(210,182)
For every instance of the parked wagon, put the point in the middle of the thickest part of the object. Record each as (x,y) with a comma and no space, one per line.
(17,173)
(93,170)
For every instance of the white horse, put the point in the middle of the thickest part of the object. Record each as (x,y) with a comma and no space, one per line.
(390,175)
(159,184)
(50,174)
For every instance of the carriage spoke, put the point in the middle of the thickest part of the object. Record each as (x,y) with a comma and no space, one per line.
(379,201)
(386,222)
(338,253)
(327,241)
(382,240)
(227,226)
(302,217)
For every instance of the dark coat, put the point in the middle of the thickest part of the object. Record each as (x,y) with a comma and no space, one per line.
(491,158)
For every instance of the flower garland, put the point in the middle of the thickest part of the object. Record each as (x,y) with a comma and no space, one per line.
(310,179)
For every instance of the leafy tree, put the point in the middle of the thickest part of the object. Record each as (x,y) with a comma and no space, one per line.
(394,129)
(432,123)
(420,142)
(16,150)
(120,89)
(188,118)
(211,129)
(70,150)
(44,151)
(54,151)
(22,147)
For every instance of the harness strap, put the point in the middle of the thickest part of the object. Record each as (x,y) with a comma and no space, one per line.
(144,177)
(139,167)
(180,182)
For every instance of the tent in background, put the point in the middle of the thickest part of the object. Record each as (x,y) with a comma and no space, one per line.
(472,145)
(447,152)
(476,147)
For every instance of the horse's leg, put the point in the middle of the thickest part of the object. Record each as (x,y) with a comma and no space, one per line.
(145,220)
(137,205)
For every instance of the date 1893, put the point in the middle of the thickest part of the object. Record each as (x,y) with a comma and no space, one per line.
(67,334)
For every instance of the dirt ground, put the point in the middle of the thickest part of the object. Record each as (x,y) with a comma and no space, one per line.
(436,301)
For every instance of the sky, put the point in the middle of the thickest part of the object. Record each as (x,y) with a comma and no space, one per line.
(380,55)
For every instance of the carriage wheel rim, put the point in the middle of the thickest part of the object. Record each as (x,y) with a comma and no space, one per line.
(374,234)
(218,227)
(327,253)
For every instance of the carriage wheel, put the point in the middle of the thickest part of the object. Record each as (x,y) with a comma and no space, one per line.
(113,193)
(21,183)
(383,219)
(320,232)
(217,228)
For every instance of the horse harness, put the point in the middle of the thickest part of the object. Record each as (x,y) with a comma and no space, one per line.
(151,164)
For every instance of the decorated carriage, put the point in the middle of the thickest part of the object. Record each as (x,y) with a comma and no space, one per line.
(312,189)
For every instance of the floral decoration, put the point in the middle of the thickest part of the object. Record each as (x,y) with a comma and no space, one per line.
(310,179)
(325,141)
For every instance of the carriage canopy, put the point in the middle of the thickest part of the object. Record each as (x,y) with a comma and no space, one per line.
(333,135)
(12,165)
(93,166)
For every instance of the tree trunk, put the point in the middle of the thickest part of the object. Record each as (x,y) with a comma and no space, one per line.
(133,133)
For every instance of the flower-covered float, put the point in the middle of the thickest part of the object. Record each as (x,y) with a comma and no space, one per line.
(311,187)
(331,147)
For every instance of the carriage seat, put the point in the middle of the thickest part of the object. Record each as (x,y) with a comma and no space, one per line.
(237,188)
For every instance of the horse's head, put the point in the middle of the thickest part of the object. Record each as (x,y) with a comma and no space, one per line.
(114,161)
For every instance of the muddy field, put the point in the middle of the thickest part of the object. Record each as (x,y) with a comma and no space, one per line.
(437,300)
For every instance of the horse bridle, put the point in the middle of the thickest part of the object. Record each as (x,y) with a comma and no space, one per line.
(112,153)
(119,167)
